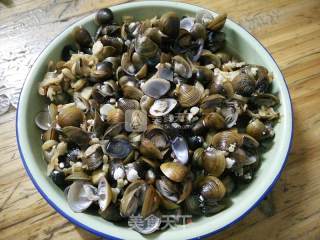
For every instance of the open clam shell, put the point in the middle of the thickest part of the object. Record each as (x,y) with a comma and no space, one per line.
(168,189)
(118,148)
(180,149)
(131,198)
(93,156)
(104,193)
(162,107)
(151,201)
(182,67)
(46,117)
(158,136)
(43,120)
(81,195)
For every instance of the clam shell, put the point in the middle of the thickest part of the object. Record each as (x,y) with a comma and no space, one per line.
(86,92)
(113,130)
(105,109)
(151,163)
(127,65)
(224,57)
(168,204)
(214,120)
(224,88)
(76,135)
(146,102)
(167,189)
(149,150)
(132,92)
(211,102)
(99,126)
(142,73)
(93,156)
(154,34)
(104,193)
(187,23)
(97,175)
(203,16)
(174,171)
(182,67)
(115,116)
(145,47)
(192,203)
(186,191)
(170,24)
(53,111)
(81,195)
(70,116)
(248,141)
(50,134)
(211,188)
(81,103)
(229,184)
(197,157)
(188,95)
(165,72)
(208,58)
(256,129)
(198,31)
(243,84)
(162,107)
(127,80)
(43,120)
(180,149)
(118,148)
(155,87)
(138,61)
(240,156)
(214,162)
(158,136)
(110,88)
(151,201)
(223,140)
(130,200)
(134,139)
(217,23)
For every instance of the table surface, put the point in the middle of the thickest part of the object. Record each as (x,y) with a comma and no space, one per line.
(291,32)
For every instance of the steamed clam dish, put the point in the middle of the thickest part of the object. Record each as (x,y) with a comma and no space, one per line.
(154,117)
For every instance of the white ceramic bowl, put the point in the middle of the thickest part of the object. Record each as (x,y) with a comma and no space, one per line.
(28,136)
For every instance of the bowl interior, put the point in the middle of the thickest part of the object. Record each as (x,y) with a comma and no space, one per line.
(238,39)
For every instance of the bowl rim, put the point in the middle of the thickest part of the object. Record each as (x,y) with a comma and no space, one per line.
(104,235)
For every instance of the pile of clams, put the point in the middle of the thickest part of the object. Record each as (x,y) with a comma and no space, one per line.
(154,117)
